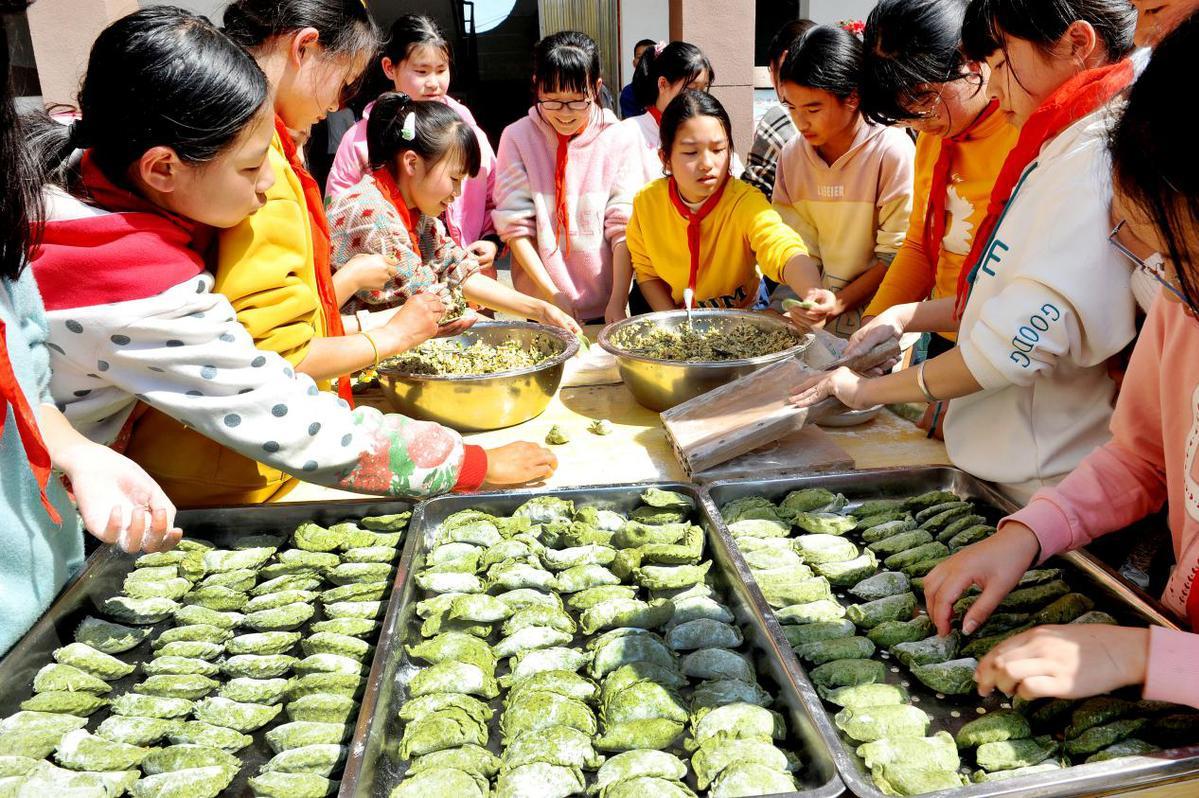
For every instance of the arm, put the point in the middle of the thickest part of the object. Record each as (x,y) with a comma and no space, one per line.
(525,254)
(657,294)
(912,273)
(863,287)
(947,377)
(622,279)
(489,292)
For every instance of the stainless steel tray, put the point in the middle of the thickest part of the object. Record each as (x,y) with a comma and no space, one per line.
(102,577)
(1127,602)
(372,772)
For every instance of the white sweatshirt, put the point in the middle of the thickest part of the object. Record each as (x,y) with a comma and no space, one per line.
(1051,303)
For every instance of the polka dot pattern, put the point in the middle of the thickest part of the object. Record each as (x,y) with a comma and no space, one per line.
(74,326)
(279,411)
(208,372)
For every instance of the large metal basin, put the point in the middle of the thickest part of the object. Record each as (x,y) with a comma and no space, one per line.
(662,384)
(490,401)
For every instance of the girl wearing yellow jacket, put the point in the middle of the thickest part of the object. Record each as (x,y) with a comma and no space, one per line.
(697,235)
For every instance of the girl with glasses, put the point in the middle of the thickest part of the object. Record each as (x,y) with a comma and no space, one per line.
(564,189)
(1150,460)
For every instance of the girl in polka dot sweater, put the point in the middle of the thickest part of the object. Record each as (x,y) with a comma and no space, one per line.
(132,316)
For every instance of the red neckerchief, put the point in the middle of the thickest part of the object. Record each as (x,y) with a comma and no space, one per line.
(136,251)
(12,396)
(934,215)
(387,186)
(314,203)
(694,223)
(655,113)
(560,207)
(1081,95)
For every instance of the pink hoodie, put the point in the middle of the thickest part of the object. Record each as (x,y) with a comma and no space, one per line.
(468,218)
(599,187)
(1149,461)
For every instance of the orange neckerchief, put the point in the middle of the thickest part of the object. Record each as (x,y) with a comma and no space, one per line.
(655,113)
(694,223)
(1081,95)
(560,207)
(31,437)
(387,185)
(315,204)
(934,215)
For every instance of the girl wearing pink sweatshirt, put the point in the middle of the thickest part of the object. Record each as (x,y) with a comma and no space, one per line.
(563,189)
(416,59)
(1151,459)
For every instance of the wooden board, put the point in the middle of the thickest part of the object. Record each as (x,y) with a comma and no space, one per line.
(810,450)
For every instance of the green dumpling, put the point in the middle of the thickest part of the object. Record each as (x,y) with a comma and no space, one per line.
(824,523)
(901,542)
(929,650)
(1098,737)
(455,647)
(736,722)
(190,614)
(435,702)
(30,743)
(134,730)
(370,554)
(191,649)
(900,778)
(80,750)
(362,610)
(350,627)
(186,756)
(860,696)
(26,720)
(822,611)
(286,618)
(886,529)
(880,586)
(785,587)
(442,781)
(643,701)
(812,500)
(1009,754)
(446,728)
(109,638)
(720,692)
(453,677)
(348,573)
(323,708)
(647,787)
(530,638)
(538,780)
(611,653)
(321,759)
(157,588)
(564,746)
(848,572)
(891,608)
(64,702)
(286,582)
(301,733)
(190,686)
(276,784)
(194,633)
(715,755)
(847,672)
(929,551)
(479,608)
(718,663)
(553,617)
(254,691)
(258,666)
(216,597)
(280,598)
(332,683)
(813,632)
(262,643)
(150,706)
(969,536)
(328,643)
(330,663)
(982,776)
(536,711)
(206,782)
(703,633)
(867,724)
(1063,610)
(57,677)
(394,522)
(558,658)
(759,528)
(654,734)
(218,560)
(659,515)
(241,580)
(582,577)
(237,715)
(823,651)
(938,751)
(140,611)
(1128,747)
(172,665)
(994,727)
(952,677)
(654,497)
(357,591)
(670,577)
(749,507)
(473,759)
(750,778)
(626,612)
(1097,711)
(640,764)
(564,683)
(822,548)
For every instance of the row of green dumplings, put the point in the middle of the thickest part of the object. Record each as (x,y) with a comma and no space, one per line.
(605,623)
(218,675)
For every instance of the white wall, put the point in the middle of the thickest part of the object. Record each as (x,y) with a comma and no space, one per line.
(640,19)
(213,9)
(832,11)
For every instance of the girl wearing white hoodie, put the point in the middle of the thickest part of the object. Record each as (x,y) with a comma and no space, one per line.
(1043,301)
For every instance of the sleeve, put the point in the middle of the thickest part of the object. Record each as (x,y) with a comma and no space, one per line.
(762,161)
(620,199)
(202,369)
(450,261)
(894,197)
(773,241)
(911,277)
(643,266)
(515,215)
(259,268)
(350,162)
(490,160)
(362,221)
(789,209)
(1170,675)
(1120,482)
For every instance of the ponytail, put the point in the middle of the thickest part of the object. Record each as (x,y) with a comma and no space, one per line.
(344,27)
(432,130)
(21,202)
(677,61)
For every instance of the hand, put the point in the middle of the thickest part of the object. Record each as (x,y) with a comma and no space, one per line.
(369,272)
(458,325)
(413,324)
(518,463)
(617,310)
(823,305)
(995,564)
(548,314)
(565,304)
(845,384)
(886,326)
(1074,661)
(118,501)
(484,252)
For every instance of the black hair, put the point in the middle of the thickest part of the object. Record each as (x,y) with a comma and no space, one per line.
(21,201)
(910,46)
(677,61)
(411,31)
(567,61)
(781,42)
(644,43)
(828,58)
(344,26)
(1153,156)
(988,23)
(689,105)
(438,132)
(159,77)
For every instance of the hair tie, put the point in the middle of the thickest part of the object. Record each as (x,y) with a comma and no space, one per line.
(659,47)
(408,132)
(77,135)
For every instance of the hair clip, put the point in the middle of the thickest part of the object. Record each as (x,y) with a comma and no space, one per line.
(408,132)
(659,47)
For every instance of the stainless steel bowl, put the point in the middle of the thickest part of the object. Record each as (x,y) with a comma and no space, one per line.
(662,384)
(489,401)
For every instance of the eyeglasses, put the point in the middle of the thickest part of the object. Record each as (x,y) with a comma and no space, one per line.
(1154,265)
(558,105)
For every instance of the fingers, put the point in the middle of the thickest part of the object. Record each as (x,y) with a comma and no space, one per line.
(942,594)
(993,593)
(112,529)
(816,382)
(131,539)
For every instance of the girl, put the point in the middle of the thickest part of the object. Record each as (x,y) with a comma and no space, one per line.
(420,153)
(40,531)
(273,265)
(917,76)
(1049,301)
(844,184)
(1150,458)
(416,59)
(662,72)
(700,215)
(563,185)
(175,137)
(775,128)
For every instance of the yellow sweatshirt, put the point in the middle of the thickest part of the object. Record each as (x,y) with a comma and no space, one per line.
(911,277)
(741,233)
(265,267)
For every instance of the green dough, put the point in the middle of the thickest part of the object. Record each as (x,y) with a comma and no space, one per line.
(751,778)
(888,529)
(930,499)
(718,663)
(110,638)
(553,617)
(926,516)
(953,677)
(643,701)
(866,522)
(640,764)
(981,646)
(395,522)
(848,572)
(901,542)
(825,548)
(736,722)
(860,696)
(172,665)
(141,611)
(185,756)
(1027,598)
(1099,737)
(471,759)
(435,702)
(455,647)
(57,677)
(847,672)
(80,750)
(1009,754)
(891,633)
(321,760)
(530,638)
(1130,746)
(655,497)
(275,784)
(1000,622)
(191,649)
(254,691)
(194,633)
(929,551)
(1097,711)
(192,614)
(453,677)
(903,779)
(798,635)
(703,633)
(994,727)
(867,724)
(529,663)
(929,650)
(190,686)
(881,585)
(149,706)
(237,715)
(824,523)
(328,643)
(875,507)
(263,643)
(655,734)
(206,782)
(93,661)
(1063,610)
(812,500)
(64,702)
(625,612)
(758,528)
(922,568)
(355,591)
(258,666)
(717,755)
(958,525)
(938,752)
(824,651)
(135,731)
(448,728)
(786,589)
(666,577)
(891,608)
(970,536)
(825,610)
(721,692)
(612,653)
(564,683)
(562,746)
(536,779)
(321,708)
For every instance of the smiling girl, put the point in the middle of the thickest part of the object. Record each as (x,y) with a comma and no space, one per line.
(1150,460)
(698,235)
(843,183)
(417,61)
(1044,301)
(564,183)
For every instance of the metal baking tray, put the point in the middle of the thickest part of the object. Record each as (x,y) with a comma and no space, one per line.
(102,577)
(372,771)
(1127,602)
